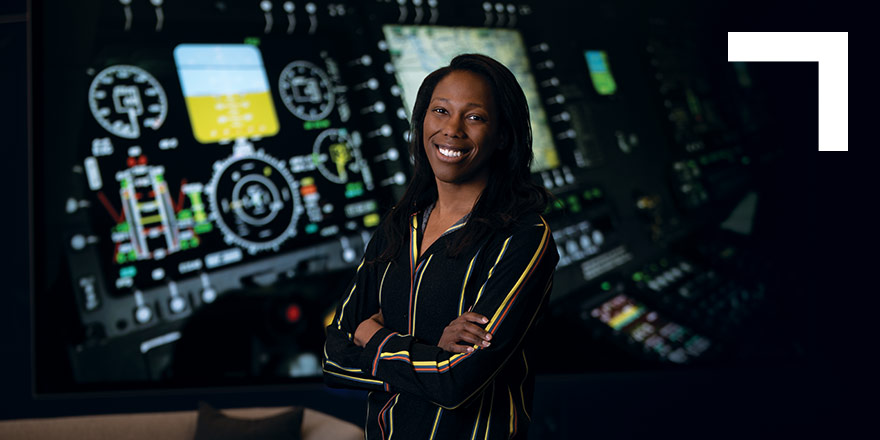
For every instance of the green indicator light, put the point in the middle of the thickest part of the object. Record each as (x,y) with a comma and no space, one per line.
(354,189)
(638,276)
(132,256)
(597,192)
(253,41)
(746,160)
(184,214)
(588,195)
(311,228)
(316,125)
(600,72)
(127,272)
(692,164)
(120,258)
(574,203)
(184,244)
(196,200)
(203,228)
(194,242)
(606,286)
(159,178)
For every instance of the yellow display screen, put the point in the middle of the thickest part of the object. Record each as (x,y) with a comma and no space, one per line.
(226,91)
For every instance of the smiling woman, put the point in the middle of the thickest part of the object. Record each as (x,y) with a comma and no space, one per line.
(461,129)
(439,321)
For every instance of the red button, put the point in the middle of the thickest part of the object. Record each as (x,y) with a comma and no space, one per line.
(293,313)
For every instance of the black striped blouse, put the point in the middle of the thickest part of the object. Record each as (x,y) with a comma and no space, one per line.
(418,390)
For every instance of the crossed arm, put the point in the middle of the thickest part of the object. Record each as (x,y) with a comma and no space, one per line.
(461,329)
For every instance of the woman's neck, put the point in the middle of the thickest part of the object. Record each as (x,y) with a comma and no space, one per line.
(457,200)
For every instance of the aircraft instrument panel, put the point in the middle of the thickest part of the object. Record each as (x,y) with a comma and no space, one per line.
(207,175)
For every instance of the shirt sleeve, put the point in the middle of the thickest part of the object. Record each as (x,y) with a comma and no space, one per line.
(358,302)
(514,291)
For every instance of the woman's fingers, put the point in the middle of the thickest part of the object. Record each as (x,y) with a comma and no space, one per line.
(465,332)
(473,317)
(456,348)
(474,334)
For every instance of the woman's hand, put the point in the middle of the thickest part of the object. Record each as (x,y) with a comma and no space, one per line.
(368,328)
(464,329)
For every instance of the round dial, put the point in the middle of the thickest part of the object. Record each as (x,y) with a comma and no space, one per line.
(336,156)
(125,98)
(254,200)
(306,90)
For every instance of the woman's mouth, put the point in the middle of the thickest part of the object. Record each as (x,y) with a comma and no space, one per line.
(450,152)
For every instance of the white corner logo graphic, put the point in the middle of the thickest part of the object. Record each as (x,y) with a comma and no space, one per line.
(829,49)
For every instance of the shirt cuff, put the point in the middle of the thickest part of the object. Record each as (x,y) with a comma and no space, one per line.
(369,357)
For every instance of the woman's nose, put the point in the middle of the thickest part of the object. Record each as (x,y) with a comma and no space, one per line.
(453,128)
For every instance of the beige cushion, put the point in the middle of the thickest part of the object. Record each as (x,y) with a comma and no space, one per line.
(160,425)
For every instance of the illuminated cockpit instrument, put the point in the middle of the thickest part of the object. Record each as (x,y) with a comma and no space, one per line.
(256,201)
(306,90)
(124,98)
(600,72)
(226,91)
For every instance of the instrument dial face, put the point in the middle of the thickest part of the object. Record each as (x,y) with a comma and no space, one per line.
(124,99)
(336,156)
(306,90)
(255,201)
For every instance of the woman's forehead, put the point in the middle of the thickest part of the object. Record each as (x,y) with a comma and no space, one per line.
(464,87)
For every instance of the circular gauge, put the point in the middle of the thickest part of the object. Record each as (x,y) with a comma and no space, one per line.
(125,98)
(255,201)
(336,155)
(306,90)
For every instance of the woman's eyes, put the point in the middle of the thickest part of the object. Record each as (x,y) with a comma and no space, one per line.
(472,117)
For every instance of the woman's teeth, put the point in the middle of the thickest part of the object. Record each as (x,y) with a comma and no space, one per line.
(449,153)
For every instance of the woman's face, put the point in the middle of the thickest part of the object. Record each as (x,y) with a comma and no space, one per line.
(460,132)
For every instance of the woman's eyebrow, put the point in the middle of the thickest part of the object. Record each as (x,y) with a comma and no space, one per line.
(469,104)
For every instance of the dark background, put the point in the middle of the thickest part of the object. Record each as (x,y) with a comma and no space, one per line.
(811,188)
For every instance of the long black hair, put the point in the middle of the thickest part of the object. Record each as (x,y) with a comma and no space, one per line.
(510,191)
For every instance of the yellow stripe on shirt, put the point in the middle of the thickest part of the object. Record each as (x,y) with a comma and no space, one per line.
(463,286)
(492,269)
(416,299)
(436,421)
(342,310)
(522,277)
(382,283)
